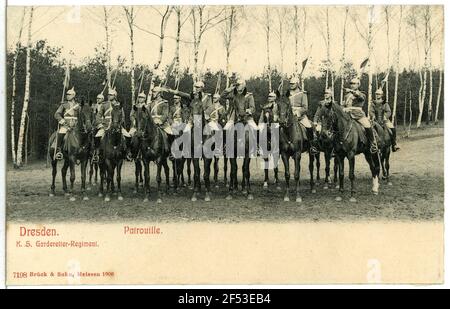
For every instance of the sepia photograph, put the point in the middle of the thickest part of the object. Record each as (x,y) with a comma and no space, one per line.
(264,144)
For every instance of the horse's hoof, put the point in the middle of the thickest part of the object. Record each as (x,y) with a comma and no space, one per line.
(389,183)
(216,186)
(286,199)
(145,200)
(375,192)
(337,187)
(72,199)
(353,200)
(265,185)
(250,197)
(51,194)
(159,201)
(313,191)
(229,197)
(207,199)
(338,199)
(135,191)
(299,199)
(120,198)
(100,195)
(278,188)
(88,188)
(85,198)
(107,199)
(67,194)
(193,199)
(325,187)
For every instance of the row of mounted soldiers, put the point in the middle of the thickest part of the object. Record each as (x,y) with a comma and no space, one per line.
(241,109)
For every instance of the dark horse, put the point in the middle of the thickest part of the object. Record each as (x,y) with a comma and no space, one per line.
(76,149)
(326,145)
(112,152)
(351,141)
(151,145)
(292,145)
(384,146)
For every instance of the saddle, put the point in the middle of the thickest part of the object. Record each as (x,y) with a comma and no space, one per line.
(361,131)
(303,132)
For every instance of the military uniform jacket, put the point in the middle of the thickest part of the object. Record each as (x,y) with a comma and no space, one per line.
(68,111)
(240,103)
(299,103)
(159,110)
(103,116)
(355,100)
(176,113)
(380,112)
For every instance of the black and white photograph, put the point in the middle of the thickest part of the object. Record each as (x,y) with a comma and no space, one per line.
(265,144)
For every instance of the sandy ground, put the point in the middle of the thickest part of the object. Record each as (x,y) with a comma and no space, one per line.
(417,193)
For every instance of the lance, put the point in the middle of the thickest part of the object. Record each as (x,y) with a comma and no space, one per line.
(65,85)
(120,62)
(169,71)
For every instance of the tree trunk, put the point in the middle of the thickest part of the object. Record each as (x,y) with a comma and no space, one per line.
(108,52)
(404,111)
(410,114)
(438,98)
(388,52)
(430,98)
(422,99)
(13,96)
(27,126)
(269,71)
(341,93)
(26,98)
(133,90)
(397,68)
(296,39)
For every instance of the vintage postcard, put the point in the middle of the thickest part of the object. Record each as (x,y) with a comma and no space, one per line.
(224,144)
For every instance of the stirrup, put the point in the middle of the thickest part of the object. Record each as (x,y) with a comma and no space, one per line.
(95,158)
(129,157)
(313,150)
(59,156)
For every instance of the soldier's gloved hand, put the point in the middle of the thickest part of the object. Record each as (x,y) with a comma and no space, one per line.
(62,121)
(248,111)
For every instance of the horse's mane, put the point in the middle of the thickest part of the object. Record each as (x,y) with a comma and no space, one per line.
(340,112)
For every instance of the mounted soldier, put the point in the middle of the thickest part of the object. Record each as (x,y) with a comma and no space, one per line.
(354,101)
(269,110)
(216,114)
(299,103)
(241,104)
(380,112)
(103,119)
(139,104)
(323,110)
(158,108)
(98,103)
(67,117)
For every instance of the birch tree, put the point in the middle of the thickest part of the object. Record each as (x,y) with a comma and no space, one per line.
(13,95)
(280,32)
(397,66)
(26,98)
(106,22)
(203,18)
(387,15)
(131,16)
(344,44)
(324,30)
(228,31)
(441,69)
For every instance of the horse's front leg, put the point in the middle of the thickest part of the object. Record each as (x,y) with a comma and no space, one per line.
(317,156)
(63,176)
(216,172)
(351,176)
(175,175)
(119,179)
(102,171)
(146,164)
(266,173)
(54,172)
(225,170)
(311,172)
(233,178)
(167,174)
(335,172)
(206,176)
(188,169)
(84,163)
(91,172)
(327,156)
(341,177)
(109,178)
(158,181)
(247,162)
(287,175)
(137,174)
(197,185)
(297,161)
(388,166)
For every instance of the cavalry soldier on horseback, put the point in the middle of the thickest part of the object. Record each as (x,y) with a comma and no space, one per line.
(96,106)
(159,111)
(67,117)
(139,104)
(270,109)
(323,110)
(242,104)
(380,112)
(216,114)
(353,104)
(103,120)
(299,104)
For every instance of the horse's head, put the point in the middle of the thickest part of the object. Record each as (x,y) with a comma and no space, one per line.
(328,125)
(286,118)
(85,119)
(116,118)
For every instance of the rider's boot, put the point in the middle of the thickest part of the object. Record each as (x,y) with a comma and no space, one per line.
(395,147)
(59,155)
